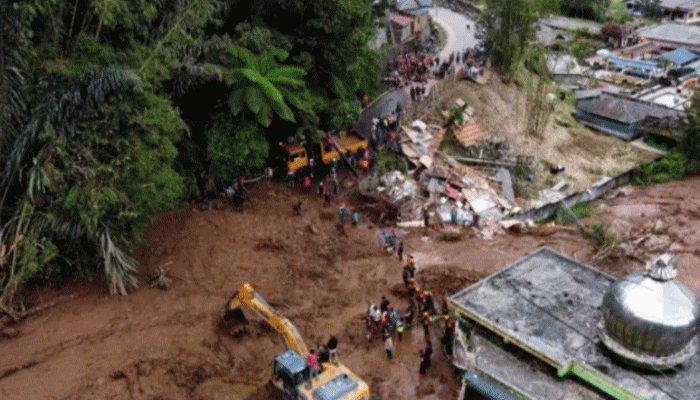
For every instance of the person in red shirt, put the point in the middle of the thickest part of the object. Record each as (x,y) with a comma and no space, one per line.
(312,360)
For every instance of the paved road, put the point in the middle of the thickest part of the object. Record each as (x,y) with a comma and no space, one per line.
(455,25)
(458,39)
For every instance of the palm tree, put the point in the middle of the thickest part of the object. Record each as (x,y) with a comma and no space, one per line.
(264,87)
(25,229)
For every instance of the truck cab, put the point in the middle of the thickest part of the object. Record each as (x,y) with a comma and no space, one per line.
(297,156)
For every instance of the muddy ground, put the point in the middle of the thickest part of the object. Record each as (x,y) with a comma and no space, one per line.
(162,345)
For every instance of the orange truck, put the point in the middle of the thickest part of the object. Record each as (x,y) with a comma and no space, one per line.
(347,146)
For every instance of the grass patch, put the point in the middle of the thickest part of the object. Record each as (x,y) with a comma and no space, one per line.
(561,122)
(673,166)
(389,161)
(568,215)
(601,234)
(441,39)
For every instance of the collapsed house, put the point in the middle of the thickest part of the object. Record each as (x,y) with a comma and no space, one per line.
(451,191)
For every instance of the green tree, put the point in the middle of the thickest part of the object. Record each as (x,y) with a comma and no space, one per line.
(588,9)
(329,39)
(689,134)
(651,9)
(510,25)
(264,87)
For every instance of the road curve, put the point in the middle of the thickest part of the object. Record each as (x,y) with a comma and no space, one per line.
(455,25)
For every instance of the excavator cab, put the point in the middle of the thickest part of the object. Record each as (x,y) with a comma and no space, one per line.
(289,372)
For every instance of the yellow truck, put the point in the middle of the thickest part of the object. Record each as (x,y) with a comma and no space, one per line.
(343,145)
(290,371)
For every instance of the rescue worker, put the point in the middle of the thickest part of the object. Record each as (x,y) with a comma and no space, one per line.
(406,275)
(448,336)
(429,302)
(355,217)
(411,287)
(342,213)
(425,319)
(400,327)
(425,357)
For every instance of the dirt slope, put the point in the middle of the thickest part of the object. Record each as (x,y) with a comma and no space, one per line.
(157,344)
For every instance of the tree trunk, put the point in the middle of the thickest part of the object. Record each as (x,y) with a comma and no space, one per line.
(72,21)
(99,28)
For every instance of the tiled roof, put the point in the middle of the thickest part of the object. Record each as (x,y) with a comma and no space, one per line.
(623,109)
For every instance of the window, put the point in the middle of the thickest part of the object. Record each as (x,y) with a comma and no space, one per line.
(293,157)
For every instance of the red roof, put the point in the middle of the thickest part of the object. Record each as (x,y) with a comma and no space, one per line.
(401,19)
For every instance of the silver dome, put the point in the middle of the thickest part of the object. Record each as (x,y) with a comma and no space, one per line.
(651,315)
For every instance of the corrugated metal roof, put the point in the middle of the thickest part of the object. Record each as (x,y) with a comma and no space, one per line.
(416,11)
(672,32)
(623,109)
(679,56)
(403,5)
(641,65)
(680,4)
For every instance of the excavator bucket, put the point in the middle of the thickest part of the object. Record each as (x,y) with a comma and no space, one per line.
(234,321)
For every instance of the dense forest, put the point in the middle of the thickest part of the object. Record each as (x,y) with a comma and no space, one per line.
(111,110)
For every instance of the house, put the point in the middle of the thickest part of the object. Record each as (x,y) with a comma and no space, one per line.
(671,36)
(681,11)
(633,67)
(622,116)
(417,10)
(401,26)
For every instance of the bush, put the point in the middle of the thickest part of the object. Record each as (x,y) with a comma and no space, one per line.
(673,166)
(600,232)
(390,161)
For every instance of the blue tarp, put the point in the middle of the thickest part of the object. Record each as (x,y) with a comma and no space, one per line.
(679,56)
(646,67)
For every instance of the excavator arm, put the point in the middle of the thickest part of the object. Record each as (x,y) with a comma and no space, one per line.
(246,296)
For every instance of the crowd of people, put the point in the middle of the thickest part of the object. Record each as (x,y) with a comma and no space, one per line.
(387,321)
(414,69)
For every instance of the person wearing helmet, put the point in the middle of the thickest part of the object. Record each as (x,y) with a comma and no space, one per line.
(425,319)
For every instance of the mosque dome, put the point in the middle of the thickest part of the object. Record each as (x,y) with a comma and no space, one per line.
(650,318)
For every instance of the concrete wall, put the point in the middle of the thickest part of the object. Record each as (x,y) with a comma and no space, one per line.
(593,192)
(420,22)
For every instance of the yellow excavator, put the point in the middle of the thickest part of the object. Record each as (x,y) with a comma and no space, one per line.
(290,371)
